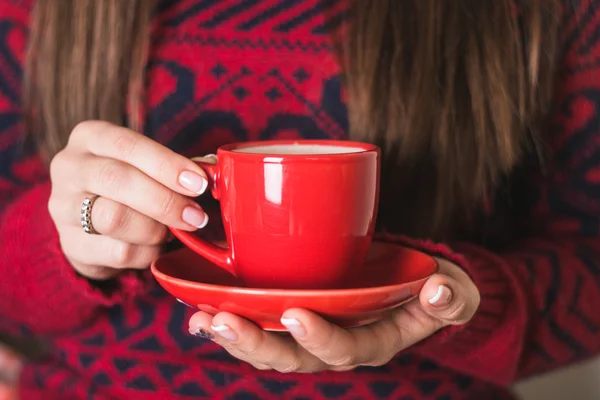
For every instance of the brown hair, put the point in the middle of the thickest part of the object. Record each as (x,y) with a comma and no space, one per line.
(455,92)
(86,60)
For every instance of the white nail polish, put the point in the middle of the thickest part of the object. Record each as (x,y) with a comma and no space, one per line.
(204,223)
(293,326)
(183,302)
(225,332)
(443,293)
(204,186)
(193,182)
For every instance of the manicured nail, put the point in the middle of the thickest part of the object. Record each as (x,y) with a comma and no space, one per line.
(201,333)
(194,217)
(442,296)
(193,182)
(225,332)
(183,302)
(294,326)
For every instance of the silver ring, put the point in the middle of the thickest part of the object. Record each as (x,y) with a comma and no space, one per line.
(86,215)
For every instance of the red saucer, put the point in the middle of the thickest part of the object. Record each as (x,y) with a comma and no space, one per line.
(393,275)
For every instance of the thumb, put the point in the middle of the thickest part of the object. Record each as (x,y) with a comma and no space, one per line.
(449,300)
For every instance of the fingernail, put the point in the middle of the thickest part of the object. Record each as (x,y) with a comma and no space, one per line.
(225,332)
(294,326)
(183,302)
(442,296)
(201,333)
(195,217)
(193,182)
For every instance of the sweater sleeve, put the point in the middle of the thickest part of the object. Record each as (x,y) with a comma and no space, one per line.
(39,290)
(540,296)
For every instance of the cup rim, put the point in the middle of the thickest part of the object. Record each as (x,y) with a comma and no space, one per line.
(230,148)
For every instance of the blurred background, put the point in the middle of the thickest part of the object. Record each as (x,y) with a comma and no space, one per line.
(579,382)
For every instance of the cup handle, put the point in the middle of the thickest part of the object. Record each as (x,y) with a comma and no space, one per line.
(213,253)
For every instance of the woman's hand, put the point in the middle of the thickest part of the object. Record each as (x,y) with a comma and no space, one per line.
(448,298)
(143,187)
(10,369)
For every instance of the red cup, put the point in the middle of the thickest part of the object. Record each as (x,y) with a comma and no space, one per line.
(297,214)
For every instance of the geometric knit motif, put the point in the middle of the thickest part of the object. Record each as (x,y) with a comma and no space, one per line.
(233,70)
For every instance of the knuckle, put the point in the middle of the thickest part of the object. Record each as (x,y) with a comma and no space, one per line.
(347,360)
(294,366)
(125,142)
(112,175)
(343,369)
(320,345)
(80,129)
(262,367)
(53,206)
(380,361)
(123,254)
(158,235)
(251,349)
(65,246)
(147,256)
(144,257)
(58,165)
(167,200)
(95,272)
(251,346)
(165,169)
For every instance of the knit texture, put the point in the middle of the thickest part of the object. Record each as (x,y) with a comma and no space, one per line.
(224,71)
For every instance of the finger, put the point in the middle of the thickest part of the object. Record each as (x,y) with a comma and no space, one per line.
(370,345)
(202,319)
(453,301)
(8,391)
(95,272)
(103,251)
(209,159)
(116,220)
(10,366)
(172,170)
(124,184)
(261,347)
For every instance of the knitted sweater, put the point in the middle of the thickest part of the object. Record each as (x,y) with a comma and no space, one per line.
(230,70)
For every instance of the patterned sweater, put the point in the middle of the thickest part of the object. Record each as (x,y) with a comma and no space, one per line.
(232,70)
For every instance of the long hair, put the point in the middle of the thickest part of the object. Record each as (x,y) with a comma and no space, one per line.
(455,92)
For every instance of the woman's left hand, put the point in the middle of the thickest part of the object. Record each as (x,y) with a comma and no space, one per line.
(448,298)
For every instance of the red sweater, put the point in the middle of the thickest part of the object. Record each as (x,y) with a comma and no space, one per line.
(223,71)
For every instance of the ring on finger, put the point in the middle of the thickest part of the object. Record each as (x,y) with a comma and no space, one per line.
(86,215)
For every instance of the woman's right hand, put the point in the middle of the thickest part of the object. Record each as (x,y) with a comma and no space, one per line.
(142,187)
